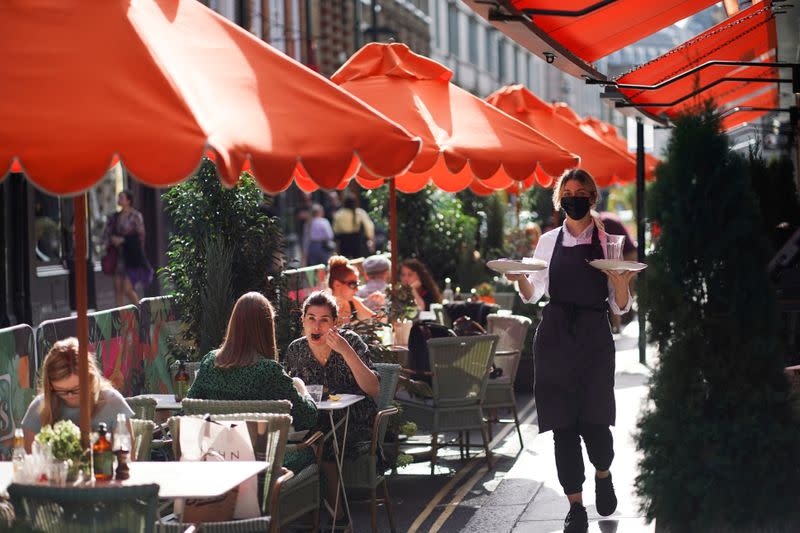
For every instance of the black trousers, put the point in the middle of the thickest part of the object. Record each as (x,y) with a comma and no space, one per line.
(569,457)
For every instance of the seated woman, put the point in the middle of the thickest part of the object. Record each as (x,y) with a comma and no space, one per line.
(416,275)
(343,282)
(246,366)
(59,398)
(338,359)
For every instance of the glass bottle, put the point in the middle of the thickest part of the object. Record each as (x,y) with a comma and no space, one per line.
(103,456)
(18,455)
(181,382)
(447,295)
(121,446)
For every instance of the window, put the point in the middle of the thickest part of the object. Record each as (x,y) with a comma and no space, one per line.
(473,41)
(452,30)
(491,52)
(515,59)
(501,60)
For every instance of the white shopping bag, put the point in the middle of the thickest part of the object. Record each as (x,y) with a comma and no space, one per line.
(206,440)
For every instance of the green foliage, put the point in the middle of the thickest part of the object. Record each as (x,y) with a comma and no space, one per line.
(539,201)
(432,226)
(288,313)
(718,438)
(201,209)
(775,188)
(64,438)
(216,296)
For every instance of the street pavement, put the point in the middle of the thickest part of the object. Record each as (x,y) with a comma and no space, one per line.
(521,493)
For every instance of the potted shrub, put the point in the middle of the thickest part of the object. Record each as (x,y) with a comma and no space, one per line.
(484,292)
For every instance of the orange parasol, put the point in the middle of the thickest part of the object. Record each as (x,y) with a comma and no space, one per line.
(157,83)
(465,141)
(561,124)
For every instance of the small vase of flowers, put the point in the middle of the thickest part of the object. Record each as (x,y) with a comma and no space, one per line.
(64,440)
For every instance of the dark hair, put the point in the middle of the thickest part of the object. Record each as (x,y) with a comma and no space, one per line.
(128,194)
(425,277)
(349,203)
(250,334)
(320,299)
(338,267)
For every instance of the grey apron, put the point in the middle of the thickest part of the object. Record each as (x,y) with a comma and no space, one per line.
(573,347)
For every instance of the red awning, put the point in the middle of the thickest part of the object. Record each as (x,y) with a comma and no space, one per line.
(750,109)
(603,30)
(687,76)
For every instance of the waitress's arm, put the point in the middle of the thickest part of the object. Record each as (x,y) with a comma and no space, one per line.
(620,290)
(524,285)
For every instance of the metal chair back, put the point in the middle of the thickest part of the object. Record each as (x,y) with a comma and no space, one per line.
(460,367)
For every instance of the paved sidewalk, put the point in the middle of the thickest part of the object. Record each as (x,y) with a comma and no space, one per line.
(529,499)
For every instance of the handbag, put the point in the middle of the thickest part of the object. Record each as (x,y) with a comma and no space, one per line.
(205,440)
(108,263)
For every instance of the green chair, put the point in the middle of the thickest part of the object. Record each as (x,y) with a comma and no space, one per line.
(512,331)
(460,368)
(194,406)
(249,525)
(143,408)
(362,472)
(78,510)
(268,433)
(142,438)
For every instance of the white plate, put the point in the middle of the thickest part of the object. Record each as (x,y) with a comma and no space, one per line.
(617,264)
(513,266)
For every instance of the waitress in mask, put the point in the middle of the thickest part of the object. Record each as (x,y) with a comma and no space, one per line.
(573,347)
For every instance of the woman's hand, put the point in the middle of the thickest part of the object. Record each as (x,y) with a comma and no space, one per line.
(336,342)
(300,386)
(514,276)
(621,279)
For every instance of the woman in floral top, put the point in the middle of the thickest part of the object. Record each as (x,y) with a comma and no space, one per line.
(338,359)
(246,367)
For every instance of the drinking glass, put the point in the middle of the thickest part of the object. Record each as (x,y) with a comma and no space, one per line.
(315,391)
(614,246)
(58,473)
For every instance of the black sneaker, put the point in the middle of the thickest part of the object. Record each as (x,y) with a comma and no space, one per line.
(605,499)
(576,521)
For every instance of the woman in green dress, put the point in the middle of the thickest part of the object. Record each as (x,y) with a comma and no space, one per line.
(246,368)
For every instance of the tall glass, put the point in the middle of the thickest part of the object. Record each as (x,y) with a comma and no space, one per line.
(614,246)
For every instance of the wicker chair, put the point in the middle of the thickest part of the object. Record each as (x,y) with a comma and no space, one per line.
(143,408)
(76,510)
(249,525)
(438,311)
(142,438)
(505,300)
(268,432)
(362,472)
(194,406)
(512,331)
(460,368)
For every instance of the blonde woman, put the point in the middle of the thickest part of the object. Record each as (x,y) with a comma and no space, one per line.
(59,394)
(573,347)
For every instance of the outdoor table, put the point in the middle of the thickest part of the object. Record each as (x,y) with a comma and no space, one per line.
(177,480)
(164,402)
(344,402)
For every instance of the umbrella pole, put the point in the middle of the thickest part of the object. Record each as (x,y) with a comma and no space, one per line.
(81,306)
(393,227)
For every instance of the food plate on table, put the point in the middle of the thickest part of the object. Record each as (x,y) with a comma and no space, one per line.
(617,264)
(515,266)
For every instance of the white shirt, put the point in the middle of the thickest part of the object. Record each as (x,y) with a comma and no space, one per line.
(540,279)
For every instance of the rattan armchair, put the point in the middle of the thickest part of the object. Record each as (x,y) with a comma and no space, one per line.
(195,406)
(363,472)
(460,369)
(142,439)
(78,509)
(512,331)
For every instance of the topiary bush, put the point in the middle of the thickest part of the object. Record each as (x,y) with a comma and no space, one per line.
(202,211)
(718,436)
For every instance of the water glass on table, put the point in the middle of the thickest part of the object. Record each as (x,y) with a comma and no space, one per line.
(315,391)
(614,246)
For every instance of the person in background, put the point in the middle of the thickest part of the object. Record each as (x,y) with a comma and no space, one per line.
(354,230)
(574,352)
(343,283)
(533,232)
(376,269)
(246,366)
(416,275)
(339,360)
(317,238)
(125,230)
(59,393)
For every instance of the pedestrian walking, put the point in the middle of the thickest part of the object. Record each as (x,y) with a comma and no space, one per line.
(318,241)
(573,347)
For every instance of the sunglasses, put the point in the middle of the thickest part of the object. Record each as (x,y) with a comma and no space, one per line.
(351,284)
(70,392)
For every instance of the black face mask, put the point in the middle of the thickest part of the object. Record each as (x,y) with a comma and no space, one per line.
(575,207)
